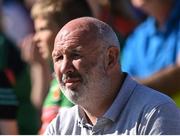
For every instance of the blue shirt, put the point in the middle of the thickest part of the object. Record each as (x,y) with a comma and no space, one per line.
(137,110)
(150,49)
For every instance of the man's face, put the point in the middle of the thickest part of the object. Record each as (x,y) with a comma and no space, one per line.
(44,36)
(78,63)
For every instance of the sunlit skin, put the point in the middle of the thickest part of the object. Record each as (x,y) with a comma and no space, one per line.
(44,36)
(87,67)
(76,63)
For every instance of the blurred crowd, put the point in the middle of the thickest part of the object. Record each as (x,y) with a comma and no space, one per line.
(148,32)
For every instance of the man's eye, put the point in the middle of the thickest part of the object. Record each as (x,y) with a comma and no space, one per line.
(58,58)
(76,56)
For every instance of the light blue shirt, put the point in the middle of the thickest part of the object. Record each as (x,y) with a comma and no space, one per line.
(137,110)
(149,49)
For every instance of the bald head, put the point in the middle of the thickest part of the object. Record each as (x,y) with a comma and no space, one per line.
(85,56)
(92,29)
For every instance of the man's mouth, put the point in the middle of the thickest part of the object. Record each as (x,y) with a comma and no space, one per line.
(71,82)
(71,79)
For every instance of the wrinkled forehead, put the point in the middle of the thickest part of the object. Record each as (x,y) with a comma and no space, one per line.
(77,37)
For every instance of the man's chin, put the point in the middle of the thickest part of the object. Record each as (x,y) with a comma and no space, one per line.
(71,87)
(72,98)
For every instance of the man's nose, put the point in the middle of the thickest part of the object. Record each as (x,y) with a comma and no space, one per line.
(66,66)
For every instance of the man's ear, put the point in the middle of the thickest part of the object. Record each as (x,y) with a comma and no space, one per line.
(111,57)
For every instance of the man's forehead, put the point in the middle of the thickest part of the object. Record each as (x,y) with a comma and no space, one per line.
(78,32)
(78,26)
(61,35)
(68,48)
(68,32)
(77,36)
(68,39)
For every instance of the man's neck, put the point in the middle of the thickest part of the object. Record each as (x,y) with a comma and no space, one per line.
(99,108)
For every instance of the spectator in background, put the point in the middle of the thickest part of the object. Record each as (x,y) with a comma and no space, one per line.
(152,51)
(10,67)
(123,16)
(17,18)
(16,24)
(49,16)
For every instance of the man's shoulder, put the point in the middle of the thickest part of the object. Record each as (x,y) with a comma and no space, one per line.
(145,96)
(142,97)
(151,97)
(64,121)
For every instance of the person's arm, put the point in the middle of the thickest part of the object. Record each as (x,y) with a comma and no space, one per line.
(166,80)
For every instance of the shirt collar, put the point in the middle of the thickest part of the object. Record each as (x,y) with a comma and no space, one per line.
(82,120)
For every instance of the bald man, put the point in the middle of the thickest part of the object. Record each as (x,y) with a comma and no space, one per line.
(108,101)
